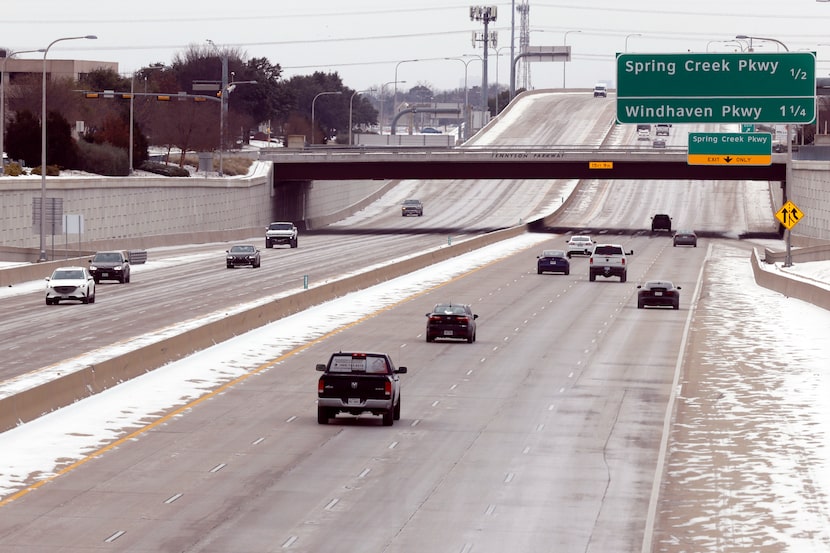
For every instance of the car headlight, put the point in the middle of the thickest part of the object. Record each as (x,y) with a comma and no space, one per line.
(93,268)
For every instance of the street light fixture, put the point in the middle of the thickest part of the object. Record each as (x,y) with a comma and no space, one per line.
(564,62)
(788,260)
(351,103)
(312,108)
(466,91)
(132,110)
(725,42)
(751,38)
(43,145)
(396,81)
(9,54)
(629,36)
(223,106)
(382,88)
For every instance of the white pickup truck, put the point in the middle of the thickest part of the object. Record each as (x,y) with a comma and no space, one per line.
(281,233)
(608,260)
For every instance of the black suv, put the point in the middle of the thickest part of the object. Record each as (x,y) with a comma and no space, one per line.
(110,266)
(661,221)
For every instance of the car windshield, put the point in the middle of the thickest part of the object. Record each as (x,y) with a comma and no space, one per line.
(664,284)
(607,250)
(553,253)
(372,364)
(580,239)
(280,226)
(446,309)
(109,257)
(242,249)
(68,274)
(412,202)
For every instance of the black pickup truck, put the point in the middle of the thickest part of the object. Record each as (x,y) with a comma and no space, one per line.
(357,383)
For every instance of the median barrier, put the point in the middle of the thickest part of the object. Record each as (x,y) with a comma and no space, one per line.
(64,390)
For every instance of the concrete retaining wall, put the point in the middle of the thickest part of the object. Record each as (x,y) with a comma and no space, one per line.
(788,286)
(810,191)
(33,403)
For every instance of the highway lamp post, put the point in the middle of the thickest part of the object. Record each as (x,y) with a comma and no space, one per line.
(498,53)
(396,81)
(223,106)
(382,89)
(314,101)
(564,62)
(629,36)
(42,256)
(351,104)
(788,262)
(9,54)
(466,63)
(132,110)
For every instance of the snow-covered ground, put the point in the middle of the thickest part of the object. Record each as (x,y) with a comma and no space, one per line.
(38,450)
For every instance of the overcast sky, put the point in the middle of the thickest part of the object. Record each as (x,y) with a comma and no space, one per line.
(365,40)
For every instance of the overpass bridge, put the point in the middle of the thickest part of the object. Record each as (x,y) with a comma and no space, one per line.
(552,162)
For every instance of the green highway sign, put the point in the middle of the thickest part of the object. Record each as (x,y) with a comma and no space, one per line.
(730,148)
(746,87)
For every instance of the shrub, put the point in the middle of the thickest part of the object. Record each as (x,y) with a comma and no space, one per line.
(14,169)
(103,159)
(51,170)
(164,169)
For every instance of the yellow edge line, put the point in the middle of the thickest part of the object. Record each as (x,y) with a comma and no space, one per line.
(227,385)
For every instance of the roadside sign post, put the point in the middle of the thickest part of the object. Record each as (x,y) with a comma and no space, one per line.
(789,215)
(746,87)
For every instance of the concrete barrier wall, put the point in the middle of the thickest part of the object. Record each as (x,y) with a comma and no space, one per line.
(33,403)
(810,191)
(118,208)
(788,286)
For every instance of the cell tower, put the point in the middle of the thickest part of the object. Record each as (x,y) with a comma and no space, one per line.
(523,70)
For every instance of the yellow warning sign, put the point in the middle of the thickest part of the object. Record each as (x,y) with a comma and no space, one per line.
(600,165)
(789,215)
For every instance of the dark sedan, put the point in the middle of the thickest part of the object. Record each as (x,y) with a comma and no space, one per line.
(243,254)
(658,293)
(685,238)
(553,261)
(451,320)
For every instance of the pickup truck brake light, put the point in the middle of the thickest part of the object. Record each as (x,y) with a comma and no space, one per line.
(320,386)
(387,389)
